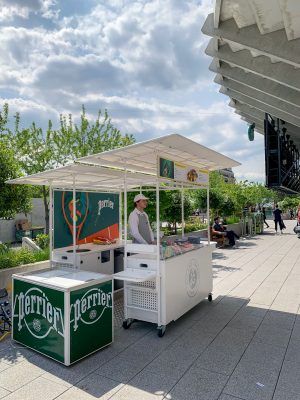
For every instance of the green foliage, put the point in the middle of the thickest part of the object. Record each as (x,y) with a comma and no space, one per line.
(194,226)
(170,206)
(13,258)
(232,219)
(3,249)
(38,151)
(228,199)
(290,202)
(13,198)
(42,240)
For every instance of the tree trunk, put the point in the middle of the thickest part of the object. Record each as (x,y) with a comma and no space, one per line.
(46,206)
(175,226)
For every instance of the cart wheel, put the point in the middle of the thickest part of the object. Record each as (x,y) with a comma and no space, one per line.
(210,297)
(127,323)
(161,330)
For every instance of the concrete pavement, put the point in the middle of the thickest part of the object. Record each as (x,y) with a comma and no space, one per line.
(245,345)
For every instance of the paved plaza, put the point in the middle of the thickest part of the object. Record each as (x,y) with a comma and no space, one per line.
(244,345)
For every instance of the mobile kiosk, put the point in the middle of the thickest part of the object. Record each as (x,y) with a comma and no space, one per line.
(161,281)
(165,280)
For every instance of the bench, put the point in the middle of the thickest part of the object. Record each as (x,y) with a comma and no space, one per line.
(220,239)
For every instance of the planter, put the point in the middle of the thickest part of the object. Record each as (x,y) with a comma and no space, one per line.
(6,274)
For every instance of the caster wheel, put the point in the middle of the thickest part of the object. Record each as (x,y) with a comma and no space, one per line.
(210,297)
(161,330)
(127,323)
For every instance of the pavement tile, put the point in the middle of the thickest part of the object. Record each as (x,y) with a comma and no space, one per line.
(121,369)
(281,394)
(279,319)
(221,359)
(289,379)
(171,364)
(278,337)
(252,386)
(69,376)
(228,397)
(199,384)
(92,387)
(38,389)
(293,351)
(13,356)
(146,386)
(18,375)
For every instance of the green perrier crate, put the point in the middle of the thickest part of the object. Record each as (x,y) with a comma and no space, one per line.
(64,323)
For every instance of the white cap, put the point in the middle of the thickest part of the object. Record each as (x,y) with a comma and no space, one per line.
(139,197)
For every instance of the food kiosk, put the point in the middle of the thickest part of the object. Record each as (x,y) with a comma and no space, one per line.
(162,281)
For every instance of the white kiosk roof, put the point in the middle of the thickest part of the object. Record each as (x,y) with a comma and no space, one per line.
(142,157)
(106,170)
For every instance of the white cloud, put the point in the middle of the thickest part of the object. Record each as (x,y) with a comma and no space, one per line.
(142,60)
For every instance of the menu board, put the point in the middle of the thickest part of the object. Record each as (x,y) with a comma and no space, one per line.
(182,173)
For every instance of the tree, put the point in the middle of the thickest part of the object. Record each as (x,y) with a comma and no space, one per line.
(38,150)
(290,202)
(13,198)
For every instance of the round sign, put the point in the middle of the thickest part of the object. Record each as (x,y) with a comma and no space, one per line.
(192,278)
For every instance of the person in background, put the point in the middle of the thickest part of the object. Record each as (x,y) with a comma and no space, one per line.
(291,213)
(139,225)
(277,218)
(264,217)
(298,215)
(219,229)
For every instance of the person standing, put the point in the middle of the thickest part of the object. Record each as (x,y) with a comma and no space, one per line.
(264,217)
(139,225)
(277,218)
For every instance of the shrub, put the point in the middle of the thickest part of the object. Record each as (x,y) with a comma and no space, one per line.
(233,219)
(42,240)
(13,258)
(191,227)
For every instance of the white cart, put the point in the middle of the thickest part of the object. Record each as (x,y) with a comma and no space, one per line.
(162,292)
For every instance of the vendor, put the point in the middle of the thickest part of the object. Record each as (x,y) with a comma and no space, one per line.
(139,225)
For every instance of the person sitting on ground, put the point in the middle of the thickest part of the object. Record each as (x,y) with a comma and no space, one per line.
(220,230)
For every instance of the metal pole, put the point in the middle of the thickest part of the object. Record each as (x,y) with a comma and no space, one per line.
(74,222)
(182,211)
(50,221)
(125,243)
(208,212)
(158,255)
(120,216)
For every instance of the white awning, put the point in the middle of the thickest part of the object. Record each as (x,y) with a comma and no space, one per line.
(105,171)
(142,157)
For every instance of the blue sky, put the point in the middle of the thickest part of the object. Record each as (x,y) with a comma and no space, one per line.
(142,60)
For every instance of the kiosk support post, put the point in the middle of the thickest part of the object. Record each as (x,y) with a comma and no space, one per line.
(158,256)
(50,221)
(182,211)
(125,238)
(208,212)
(120,215)
(74,222)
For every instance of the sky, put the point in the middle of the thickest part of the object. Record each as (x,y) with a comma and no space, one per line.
(142,60)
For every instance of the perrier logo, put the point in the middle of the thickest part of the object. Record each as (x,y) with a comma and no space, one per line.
(90,307)
(33,311)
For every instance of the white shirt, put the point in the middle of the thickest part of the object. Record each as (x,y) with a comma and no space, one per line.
(133,222)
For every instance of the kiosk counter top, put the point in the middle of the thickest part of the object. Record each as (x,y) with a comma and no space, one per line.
(90,247)
(64,279)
